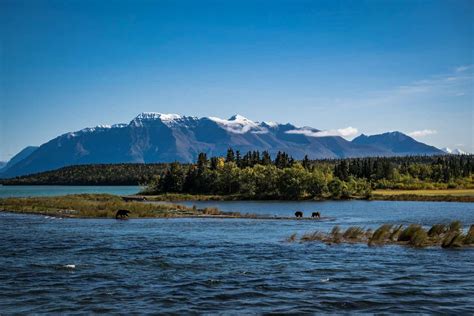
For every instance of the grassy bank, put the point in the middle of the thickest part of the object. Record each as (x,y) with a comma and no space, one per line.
(100,206)
(445,236)
(447,195)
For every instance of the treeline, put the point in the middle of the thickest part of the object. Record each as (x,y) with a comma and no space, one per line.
(99,174)
(256,175)
(453,171)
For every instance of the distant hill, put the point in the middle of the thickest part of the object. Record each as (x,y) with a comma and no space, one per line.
(156,137)
(101,174)
(398,144)
(25,152)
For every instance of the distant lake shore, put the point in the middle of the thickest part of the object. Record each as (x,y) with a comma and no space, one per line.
(450,195)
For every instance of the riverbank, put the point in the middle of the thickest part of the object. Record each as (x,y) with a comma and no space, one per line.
(103,206)
(447,195)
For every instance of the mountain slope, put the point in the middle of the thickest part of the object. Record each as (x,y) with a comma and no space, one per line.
(397,143)
(25,152)
(156,137)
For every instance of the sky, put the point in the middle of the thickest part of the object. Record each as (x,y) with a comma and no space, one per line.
(346,67)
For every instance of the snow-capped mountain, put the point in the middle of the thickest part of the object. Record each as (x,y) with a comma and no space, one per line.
(156,137)
(455,151)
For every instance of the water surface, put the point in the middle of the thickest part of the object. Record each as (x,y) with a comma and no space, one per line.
(52,190)
(51,265)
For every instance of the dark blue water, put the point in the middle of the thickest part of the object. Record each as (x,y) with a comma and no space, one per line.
(52,190)
(50,265)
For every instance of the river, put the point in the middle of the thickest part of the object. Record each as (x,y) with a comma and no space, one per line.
(51,265)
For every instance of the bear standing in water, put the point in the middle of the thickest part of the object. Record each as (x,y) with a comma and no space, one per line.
(299,214)
(316,215)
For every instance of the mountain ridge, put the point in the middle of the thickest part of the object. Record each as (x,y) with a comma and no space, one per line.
(157,137)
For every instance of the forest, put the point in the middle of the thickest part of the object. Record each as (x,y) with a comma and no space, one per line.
(97,174)
(256,175)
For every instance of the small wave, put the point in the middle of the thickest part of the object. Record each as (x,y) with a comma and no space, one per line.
(324,280)
(69,266)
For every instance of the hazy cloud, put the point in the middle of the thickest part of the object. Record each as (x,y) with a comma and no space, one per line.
(463,68)
(343,132)
(422,133)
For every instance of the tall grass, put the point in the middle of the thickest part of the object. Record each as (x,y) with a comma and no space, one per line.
(446,236)
(92,205)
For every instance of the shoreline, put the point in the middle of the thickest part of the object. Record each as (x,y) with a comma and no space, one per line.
(204,216)
(377,195)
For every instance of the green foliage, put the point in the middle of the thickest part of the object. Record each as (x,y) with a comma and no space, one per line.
(381,234)
(437,230)
(100,174)
(255,175)
(419,238)
(455,227)
(413,235)
(469,239)
(408,233)
(91,205)
(353,233)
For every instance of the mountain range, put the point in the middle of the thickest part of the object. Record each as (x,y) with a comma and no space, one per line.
(156,137)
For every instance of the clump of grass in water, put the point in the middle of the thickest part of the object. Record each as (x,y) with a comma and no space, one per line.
(419,238)
(455,227)
(469,239)
(291,238)
(407,233)
(314,236)
(336,234)
(413,235)
(395,233)
(354,233)
(380,235)
(437,230)
(452,240)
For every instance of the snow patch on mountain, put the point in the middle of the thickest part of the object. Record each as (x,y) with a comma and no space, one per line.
(455,151)
(239,124)
(311,132)
(167,119)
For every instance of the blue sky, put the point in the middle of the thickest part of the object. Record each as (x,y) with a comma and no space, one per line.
(372,65)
